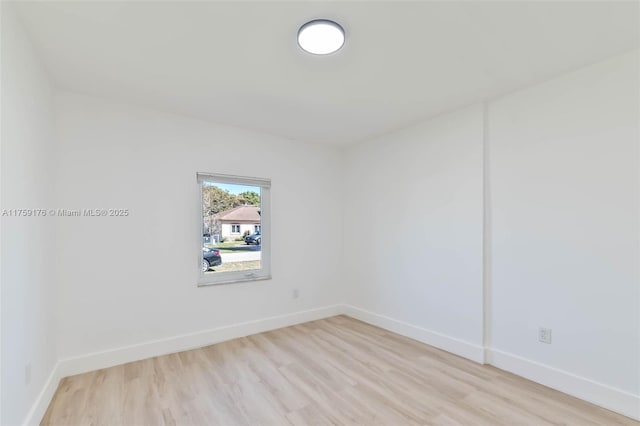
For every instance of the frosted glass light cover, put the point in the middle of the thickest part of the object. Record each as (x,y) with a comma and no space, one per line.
(321,37)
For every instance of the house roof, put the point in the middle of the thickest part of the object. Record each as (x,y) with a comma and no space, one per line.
(241,214)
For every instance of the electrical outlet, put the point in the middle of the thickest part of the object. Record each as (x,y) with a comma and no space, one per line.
(295,293)
(27,374)
(544,335)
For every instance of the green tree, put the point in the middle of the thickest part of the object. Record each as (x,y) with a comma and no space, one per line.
(249,197)
(215,200)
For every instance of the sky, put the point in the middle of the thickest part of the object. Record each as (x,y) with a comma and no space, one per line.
(236,189)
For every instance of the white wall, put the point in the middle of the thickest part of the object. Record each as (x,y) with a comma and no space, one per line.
(130,280)
(413,225)
(562,232)
(225,230)
(564,216)
(28,269)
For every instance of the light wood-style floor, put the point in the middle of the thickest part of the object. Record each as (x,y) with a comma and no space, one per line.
(333,371)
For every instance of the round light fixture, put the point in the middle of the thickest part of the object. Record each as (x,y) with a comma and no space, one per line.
(321,37)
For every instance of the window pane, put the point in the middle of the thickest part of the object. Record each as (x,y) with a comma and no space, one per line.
(231,228)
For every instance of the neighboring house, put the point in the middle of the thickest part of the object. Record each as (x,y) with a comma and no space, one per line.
(234,223)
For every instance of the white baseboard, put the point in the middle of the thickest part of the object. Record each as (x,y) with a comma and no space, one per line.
(34,416)
(597,393)
(580,387)
(98,360)
(433,338)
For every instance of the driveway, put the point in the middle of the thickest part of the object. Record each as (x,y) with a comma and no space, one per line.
(240,256)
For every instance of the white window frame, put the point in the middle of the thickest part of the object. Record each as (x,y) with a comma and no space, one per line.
(264,273)
(234,225)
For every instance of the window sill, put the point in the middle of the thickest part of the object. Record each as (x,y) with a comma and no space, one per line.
(234,281)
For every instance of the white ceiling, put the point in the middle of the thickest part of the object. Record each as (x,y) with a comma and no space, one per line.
(238,62)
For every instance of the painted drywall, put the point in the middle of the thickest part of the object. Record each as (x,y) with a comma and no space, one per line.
(564,191)
(561,234)
(28,270)
(130,280)
(413,225)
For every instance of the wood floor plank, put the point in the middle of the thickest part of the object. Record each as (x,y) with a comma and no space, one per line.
(336,371)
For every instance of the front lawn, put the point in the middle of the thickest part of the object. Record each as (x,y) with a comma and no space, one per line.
(237,266)
(230,247)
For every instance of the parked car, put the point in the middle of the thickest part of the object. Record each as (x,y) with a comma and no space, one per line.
(255,238)
(210,257)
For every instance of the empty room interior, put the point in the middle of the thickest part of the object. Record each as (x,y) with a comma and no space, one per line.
(320,213)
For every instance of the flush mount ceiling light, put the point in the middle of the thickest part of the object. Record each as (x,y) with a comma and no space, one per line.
(321,37)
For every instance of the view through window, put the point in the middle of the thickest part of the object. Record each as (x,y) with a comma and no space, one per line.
(232,222)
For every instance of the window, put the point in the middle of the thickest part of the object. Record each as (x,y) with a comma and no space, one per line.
(234,218)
